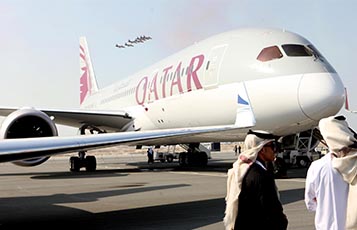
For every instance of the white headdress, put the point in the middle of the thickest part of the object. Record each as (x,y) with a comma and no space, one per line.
(339,135)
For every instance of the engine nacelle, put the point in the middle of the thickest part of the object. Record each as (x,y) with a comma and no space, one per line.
(27,123)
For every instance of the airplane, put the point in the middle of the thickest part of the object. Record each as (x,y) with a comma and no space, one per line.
(143,38)
(119,46)
(213,91)
(130,41)
(128,44)
(139,40)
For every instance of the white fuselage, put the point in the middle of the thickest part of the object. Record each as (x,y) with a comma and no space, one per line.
(199,86)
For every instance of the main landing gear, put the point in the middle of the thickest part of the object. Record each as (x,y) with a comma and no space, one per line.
(88,162)
(193,159)
(195,155)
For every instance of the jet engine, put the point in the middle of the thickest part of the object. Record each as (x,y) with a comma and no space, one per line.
(28,123)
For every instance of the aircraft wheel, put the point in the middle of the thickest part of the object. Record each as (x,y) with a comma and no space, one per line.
(169,158)
(191,159)
(183,159)
(90,163)
(302,162)
(74,164)
(203,159)
(280,168)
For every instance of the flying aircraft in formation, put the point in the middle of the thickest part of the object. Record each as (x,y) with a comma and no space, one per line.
(119,46)
(130,43)
(142,38)
(213,91)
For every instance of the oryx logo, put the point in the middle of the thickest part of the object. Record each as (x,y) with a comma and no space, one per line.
(84,80)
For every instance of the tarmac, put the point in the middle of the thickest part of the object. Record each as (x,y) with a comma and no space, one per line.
(128,193)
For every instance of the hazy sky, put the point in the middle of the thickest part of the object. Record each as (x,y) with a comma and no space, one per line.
(39,40)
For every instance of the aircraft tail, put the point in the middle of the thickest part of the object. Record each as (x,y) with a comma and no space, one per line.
(347,107)
(88,82)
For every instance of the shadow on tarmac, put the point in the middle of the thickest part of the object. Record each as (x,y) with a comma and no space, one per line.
(42,212)
(50,216)
(292,195)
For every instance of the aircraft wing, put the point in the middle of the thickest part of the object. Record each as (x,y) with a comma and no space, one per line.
(108,120)
(27,148)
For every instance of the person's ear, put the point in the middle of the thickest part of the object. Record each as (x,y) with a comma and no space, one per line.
(262,150)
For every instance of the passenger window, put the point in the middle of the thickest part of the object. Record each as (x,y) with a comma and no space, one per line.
(294,50)
(269,53)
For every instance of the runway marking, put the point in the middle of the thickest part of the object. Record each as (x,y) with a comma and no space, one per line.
(202,174)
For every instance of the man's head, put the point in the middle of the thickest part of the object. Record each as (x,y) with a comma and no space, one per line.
(339,137)
(267,153)
(260,144)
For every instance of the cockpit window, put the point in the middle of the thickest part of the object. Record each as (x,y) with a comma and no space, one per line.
(294,50)
(316,53)
(269,53)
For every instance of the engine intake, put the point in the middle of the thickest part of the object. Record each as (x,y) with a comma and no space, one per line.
(28,123)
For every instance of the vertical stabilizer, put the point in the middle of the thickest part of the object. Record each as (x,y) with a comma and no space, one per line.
(347,107)
(88,83)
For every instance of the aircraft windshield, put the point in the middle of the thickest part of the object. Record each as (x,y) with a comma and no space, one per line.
(269,53)
(316,53)
(294,50)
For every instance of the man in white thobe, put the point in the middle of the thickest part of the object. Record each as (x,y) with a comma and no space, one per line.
(347,166)
(326,192)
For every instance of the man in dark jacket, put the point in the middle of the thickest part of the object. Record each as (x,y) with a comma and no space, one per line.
(259,206)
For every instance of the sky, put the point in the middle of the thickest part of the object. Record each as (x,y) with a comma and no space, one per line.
(39,39)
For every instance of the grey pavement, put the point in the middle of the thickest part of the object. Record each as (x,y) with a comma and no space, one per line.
(127,193)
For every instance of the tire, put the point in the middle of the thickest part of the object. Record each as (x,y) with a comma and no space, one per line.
(183,159)
(280,168)
(302,162)
(74,163)
(203,159)
(90,163)
(169,158)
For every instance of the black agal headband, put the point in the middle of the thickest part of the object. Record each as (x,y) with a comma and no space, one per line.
(267,136)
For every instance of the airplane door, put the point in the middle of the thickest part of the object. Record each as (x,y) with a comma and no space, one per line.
(212,70)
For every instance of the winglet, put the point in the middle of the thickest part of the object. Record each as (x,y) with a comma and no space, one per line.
(245,116)
(88,82)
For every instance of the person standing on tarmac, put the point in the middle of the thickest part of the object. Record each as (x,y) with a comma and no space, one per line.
(252,200)
(329,179)
(235,149)
(150,154)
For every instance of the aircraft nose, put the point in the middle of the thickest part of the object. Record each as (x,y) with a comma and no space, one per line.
(320,95)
